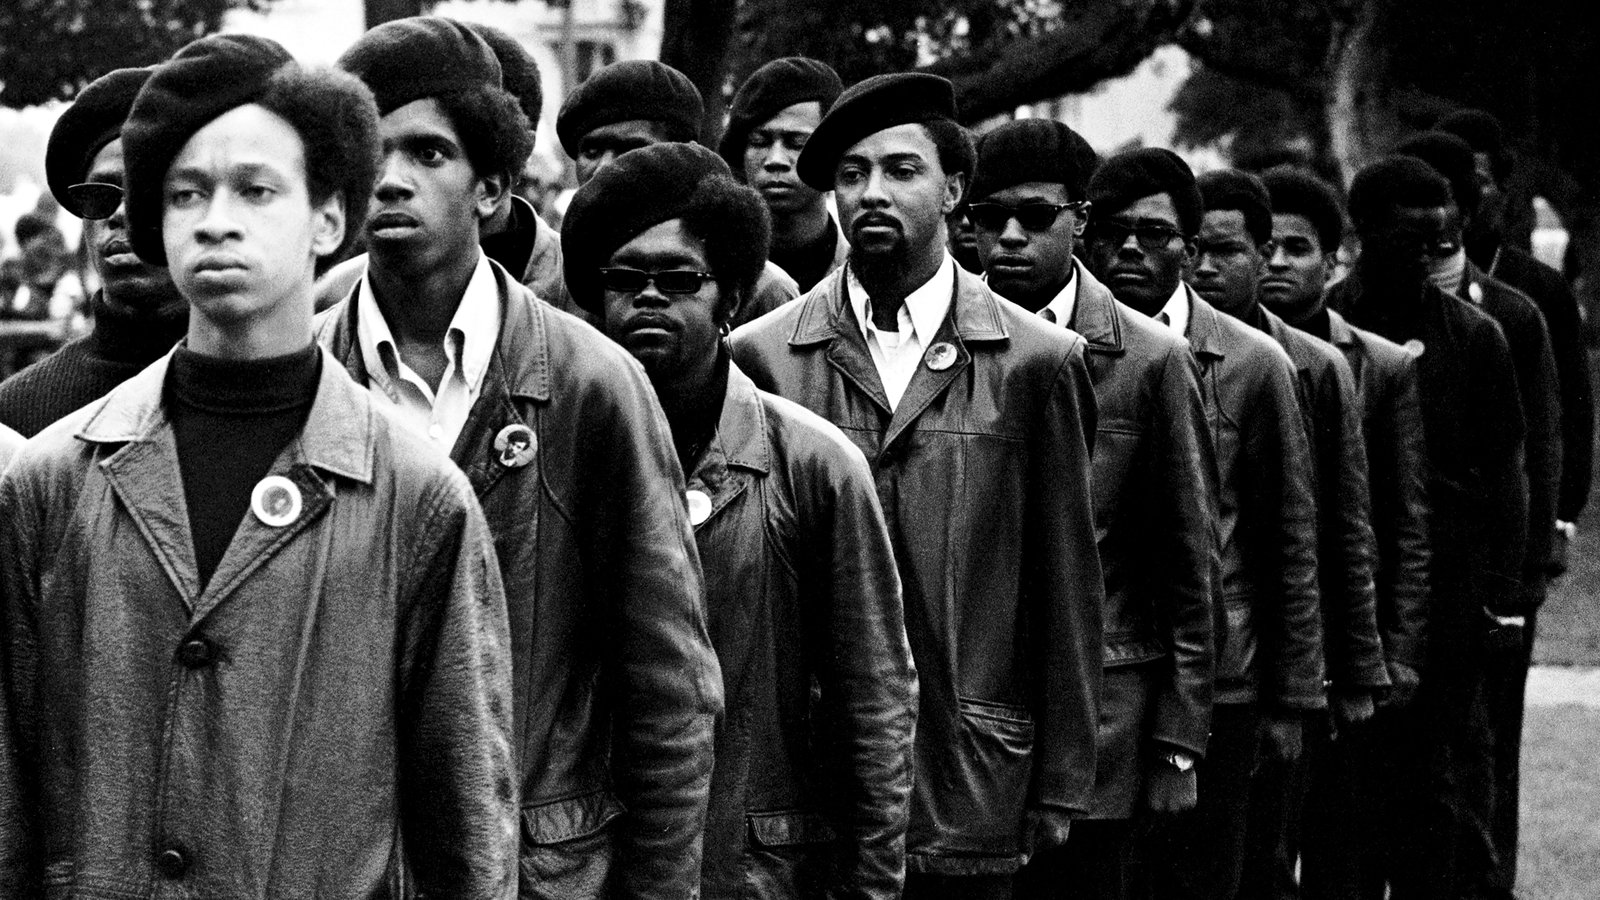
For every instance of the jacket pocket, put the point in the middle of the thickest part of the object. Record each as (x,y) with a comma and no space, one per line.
(567,848)
(992,772)
(788,854)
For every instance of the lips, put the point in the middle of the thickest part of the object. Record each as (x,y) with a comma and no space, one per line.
(1005,261)
(1282,284)
(1127,276)
(646,322)
(118,253)
(875,223)
(391,221)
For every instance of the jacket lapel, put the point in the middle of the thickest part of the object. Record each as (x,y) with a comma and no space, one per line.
(738,452)
(1095,316)
(827,318)
(974,317)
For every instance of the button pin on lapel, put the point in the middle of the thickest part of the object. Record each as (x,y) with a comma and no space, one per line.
(940,356)
(276,501)
(699,507)
(1415,347)
(514,446)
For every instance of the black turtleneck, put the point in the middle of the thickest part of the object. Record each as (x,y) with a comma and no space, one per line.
(231,419)
(694,419)
(809,264)
(513,247)
(1319,325)
(124,341)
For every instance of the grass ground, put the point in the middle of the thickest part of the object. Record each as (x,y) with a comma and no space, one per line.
(1560,858)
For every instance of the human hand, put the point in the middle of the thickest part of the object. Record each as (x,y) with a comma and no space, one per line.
(1284,737)
(1403,683)
(1169,791)
(1352,708)
(1045,828)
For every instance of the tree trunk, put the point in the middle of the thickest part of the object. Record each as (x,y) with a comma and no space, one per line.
(695,39)
(1361,119)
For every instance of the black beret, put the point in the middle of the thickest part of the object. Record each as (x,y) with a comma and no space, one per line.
(518,70)
(1297,192)
(1233,189)
(868,107)
(421,56)
(645,187)
(1033,150)
(1126,178)
(628,90)
(1451,157)
(770,90)
(31,225)
(1483,133)
(92,121)
(200,82)
(1396,181)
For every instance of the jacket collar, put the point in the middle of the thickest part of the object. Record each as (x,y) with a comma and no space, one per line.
(1096,316)
(1340,334)
(337,438)
(1205,332)
(740,443)
(825,311)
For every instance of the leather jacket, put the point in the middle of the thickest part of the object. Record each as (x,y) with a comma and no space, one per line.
(983,471)
(1154,489)
(328,716)
(1391,421)
(812,785)
(616,685)
(1346,553)
(1271,649)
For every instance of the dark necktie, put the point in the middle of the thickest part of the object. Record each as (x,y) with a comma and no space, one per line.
(1048,314)
(1163,318)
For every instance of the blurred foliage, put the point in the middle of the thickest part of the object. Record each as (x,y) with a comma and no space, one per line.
(49,49)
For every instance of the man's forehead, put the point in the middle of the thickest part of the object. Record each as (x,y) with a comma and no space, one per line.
(1030,191)
(1151,206)
(107,162)
(245,136)
(425,116)
(645,130)
(799,118)
(911,139)
(1223,222)
(1285,224)
(671,238)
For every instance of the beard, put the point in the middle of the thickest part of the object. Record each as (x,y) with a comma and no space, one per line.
(881,267)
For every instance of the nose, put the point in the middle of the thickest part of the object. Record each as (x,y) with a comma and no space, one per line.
(1013,234)
(778,158)
(394,180)
(218,222)
(1204,264)
(1130,247)
(1279,259)
(873,194)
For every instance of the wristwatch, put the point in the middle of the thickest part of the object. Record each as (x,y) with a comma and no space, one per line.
(1178,759)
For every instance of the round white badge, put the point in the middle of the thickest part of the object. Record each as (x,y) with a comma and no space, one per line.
(699,507)
(514,446)
(275,501)
(940,356)
(1415,347)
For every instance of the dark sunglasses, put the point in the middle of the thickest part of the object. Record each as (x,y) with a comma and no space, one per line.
(95,199)
(624,280)
(1150,235)
(1433,247)
(1034,217)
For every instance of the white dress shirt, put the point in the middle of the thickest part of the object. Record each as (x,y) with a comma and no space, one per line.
(1177,310)
(1065,302)
(898,353)
(438,415)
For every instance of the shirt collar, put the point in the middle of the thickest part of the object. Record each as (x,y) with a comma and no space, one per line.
(1065,302)
(1177,310)
(468,342)
(928,305)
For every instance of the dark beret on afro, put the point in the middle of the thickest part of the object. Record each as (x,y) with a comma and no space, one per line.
(645,187)
(1483,133)
(1451,157)
(633,89)
(92,121)
(518,69)
(1233,189)
(1392,183)
(1297,192)
(203,80)
(879,103)
(770,90)
(1130,176)
(1042,150)
(406,60)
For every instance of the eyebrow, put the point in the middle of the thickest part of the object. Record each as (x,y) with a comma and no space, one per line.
(240,170)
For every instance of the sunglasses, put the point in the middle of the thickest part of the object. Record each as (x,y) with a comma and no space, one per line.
(624,280)
(1035,217)
(95,199)
(1150,235)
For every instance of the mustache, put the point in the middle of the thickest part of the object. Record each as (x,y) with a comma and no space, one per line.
(875,219)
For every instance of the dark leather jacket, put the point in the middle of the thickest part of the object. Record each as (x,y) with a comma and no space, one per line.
(616,685)
(1539,387)
(811,788)
(983,471)
(1154,489)
(1346,553)
(327,717)
(1271,652)
(1391,422)
(1472,420)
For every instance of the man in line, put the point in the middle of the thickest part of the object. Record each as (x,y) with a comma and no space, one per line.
(1538,384)
(1489,250)
(1269,666)
(1477,487)
(1235,240)
(800,577)
(633,104)
(976,416)
(616,687)
(769,121)
(229,668)
(1352,775)
(138,314)
(1154,473)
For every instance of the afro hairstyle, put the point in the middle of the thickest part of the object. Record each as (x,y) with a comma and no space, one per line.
(1451,157)
(1392,183)
(1233,189)
(1483,134)
(1295,191)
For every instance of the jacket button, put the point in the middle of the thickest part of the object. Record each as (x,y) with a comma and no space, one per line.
(172,863)
(196,653)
